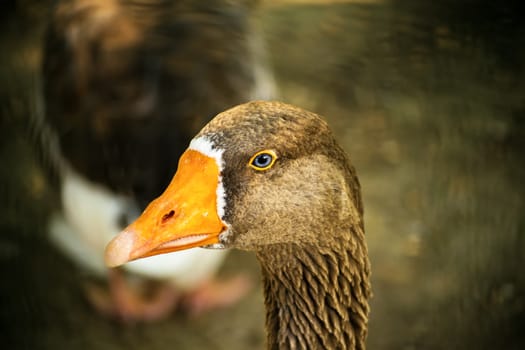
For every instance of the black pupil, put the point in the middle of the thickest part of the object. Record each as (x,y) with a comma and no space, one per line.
(262,160)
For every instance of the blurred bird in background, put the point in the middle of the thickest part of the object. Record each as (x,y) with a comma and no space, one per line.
(126,84)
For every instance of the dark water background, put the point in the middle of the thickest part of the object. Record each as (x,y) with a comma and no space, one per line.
(427,97)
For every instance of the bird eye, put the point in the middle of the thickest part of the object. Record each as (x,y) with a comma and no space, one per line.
(263,160)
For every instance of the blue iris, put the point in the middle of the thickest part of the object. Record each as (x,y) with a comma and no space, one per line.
(262,160)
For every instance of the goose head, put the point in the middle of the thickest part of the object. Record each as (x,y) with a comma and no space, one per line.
(260,174)
(270,178)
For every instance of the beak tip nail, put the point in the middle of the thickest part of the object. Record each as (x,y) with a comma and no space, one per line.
(118,250)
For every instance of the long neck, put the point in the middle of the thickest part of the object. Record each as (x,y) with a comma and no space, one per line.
(316,298)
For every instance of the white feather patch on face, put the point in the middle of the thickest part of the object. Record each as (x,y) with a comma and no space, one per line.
(205,146)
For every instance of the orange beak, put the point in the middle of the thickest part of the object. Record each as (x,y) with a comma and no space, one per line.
(184,216)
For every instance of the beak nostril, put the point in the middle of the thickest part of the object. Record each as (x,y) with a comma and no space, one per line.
(168,216)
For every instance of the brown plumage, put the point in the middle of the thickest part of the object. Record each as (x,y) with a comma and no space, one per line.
(301,214)
(127,84)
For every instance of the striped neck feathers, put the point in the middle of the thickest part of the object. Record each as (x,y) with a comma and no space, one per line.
(316,297)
